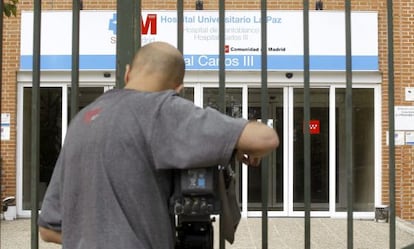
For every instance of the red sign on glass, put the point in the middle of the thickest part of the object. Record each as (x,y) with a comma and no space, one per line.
(314,127)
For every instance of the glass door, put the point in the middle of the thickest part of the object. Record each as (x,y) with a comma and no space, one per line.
(286,164)
(319,149)
(363,150)
(54,116)
(50,138)
(275,162)
(246,102)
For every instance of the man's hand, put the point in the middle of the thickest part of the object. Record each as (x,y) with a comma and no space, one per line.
(49,235)
(249,160)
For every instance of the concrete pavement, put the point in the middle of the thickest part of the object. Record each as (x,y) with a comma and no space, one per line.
(284,233)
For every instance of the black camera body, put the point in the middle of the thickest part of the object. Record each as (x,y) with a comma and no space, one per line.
(194,200)
(195,192)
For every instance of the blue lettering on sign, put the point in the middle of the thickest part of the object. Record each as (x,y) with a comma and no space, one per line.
(168,19)
(112,24)
(150,24)
(269,19)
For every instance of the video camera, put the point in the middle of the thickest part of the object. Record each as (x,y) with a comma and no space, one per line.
(194,201)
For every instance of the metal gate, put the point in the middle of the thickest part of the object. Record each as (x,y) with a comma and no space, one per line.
(129,39)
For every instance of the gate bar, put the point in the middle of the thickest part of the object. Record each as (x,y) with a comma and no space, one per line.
(128,35)
(348,126)
(306,107)
(137,19)
(222,79)
(391,137)
(222,73)
(264,115)
(1,83)
(75,59)
(34,183)
(180,26)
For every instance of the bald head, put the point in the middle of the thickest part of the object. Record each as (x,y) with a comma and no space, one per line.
(156,66)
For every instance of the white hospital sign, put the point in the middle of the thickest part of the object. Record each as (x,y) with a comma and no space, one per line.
(201,39)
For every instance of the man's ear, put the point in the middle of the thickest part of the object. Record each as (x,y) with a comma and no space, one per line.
(179,88)
(126,75)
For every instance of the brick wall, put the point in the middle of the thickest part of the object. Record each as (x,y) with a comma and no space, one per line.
(403,59)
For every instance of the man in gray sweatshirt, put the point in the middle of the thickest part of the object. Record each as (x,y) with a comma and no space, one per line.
(113,178)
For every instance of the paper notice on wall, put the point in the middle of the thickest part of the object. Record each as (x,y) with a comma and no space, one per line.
(409,138)
(404,118)
(399,138)
(5,126)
